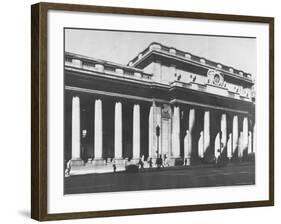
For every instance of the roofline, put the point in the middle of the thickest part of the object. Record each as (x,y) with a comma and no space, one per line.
(101,61)
(192,56)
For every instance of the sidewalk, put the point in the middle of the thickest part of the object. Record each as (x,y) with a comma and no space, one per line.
(108,168)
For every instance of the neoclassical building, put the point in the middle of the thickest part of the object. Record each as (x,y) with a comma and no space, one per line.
(202,109)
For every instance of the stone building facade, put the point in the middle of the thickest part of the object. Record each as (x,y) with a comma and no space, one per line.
(204,110)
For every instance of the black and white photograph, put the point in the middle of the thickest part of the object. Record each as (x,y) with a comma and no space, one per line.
(152,111)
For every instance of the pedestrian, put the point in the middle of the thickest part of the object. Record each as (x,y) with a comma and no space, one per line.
(161,161)
(166,160)
(158,162)
(142,158)
(68,167)
(185,161)
(114,165)
(141,163)
(150,162)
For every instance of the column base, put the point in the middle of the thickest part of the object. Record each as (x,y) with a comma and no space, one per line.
(98,161)
(77,162)
(120,161)
(134,161)
(175,161)
(229,158)
(154,159)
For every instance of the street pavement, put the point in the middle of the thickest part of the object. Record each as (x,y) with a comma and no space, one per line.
(163,178)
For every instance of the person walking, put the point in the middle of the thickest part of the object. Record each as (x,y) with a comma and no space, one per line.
(141,163)
(114,165)
(158,163)
(68,168)
(150,162)
(161,161)
(166,160)
(185,161)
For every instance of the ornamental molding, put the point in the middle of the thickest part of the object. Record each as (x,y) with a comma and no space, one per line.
(166,111)
(215,78)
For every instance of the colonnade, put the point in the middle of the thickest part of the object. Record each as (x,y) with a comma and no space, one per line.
(225,140)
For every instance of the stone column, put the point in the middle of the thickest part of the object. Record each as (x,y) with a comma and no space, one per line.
(136,131)
(118,131)
(176,132)
(254,139)
(187,149)
(206,131)
(191,124)
(223,132)
(98,131)
(250,144)
(245,134)
(166,134)
(151,131)
(76,157)
(229,146)
(201,145)
(217,149)
(158,121)
(235,133)
(240,145)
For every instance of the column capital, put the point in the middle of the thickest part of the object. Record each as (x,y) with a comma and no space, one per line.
(158,61)
(98,100)
(173,65)
(176,105)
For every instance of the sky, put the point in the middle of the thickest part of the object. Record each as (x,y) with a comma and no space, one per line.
(121,46)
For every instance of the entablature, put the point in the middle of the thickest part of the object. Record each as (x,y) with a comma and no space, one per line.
(75,75)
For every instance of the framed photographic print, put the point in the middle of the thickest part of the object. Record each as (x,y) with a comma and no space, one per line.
(138,111)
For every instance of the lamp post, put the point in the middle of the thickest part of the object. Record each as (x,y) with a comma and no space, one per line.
(157,134)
